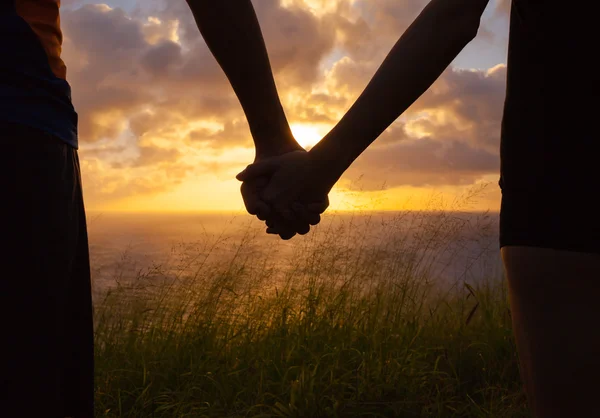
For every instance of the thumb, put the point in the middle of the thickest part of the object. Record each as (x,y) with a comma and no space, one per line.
(259,169)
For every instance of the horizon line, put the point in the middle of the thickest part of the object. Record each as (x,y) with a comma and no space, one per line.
(243,212)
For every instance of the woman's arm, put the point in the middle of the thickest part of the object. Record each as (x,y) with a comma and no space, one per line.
(419,57)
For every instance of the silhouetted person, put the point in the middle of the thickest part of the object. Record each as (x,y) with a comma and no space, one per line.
(549,222)
(47,366)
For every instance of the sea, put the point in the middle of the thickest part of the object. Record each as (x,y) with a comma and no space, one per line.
(450,248)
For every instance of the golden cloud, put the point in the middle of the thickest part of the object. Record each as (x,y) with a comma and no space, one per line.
(155,108)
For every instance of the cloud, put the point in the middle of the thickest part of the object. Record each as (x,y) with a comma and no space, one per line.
(155,107)
(161,58)
(124,65)
(105,46)
(423,163)
(467,104)
(456,143)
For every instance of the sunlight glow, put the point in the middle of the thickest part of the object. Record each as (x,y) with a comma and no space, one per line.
(316,7)
(306,135)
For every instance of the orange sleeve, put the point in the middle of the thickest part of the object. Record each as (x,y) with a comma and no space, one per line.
(44,18)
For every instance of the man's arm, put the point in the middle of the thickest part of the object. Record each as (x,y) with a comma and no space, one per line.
(232,33)
(428,46)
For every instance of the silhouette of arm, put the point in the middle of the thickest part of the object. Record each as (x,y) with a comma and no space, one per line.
(422,53)
(428,46)
(232,33)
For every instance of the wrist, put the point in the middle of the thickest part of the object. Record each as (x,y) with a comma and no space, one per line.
(329,161)
(272,136)
(276,144)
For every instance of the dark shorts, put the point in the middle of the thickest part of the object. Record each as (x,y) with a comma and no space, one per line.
(47,366)
(560,217)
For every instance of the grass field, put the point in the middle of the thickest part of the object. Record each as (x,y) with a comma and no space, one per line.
(343,329)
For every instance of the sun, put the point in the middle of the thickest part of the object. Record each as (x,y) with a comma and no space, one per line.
(306,135)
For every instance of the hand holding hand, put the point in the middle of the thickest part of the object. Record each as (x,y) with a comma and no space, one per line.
(296,192)
(286,228)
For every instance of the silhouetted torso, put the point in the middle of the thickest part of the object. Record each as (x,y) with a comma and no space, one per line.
(33,88)
(549,149)
(548,139)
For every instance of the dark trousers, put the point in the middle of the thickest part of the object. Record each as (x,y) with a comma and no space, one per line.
(47,360)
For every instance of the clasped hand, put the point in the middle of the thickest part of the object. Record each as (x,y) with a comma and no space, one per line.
(288,192)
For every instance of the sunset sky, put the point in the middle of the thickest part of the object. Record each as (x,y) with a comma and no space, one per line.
(161,129)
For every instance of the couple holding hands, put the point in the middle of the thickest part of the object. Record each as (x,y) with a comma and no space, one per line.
(549,241)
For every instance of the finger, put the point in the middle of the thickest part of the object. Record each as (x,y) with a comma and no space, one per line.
(261,168)
(304,215)
(303,229)
(263,211)
(296,218)
(285,212)
(260,209)
(287,235)
(313,218)
(250,191)
(278,225)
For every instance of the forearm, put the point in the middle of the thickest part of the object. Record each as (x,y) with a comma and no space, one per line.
(419,57)
(232,33)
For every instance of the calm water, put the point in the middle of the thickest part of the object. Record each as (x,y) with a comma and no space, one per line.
(123,247)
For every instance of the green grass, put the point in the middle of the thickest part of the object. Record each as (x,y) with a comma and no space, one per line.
(352,327)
